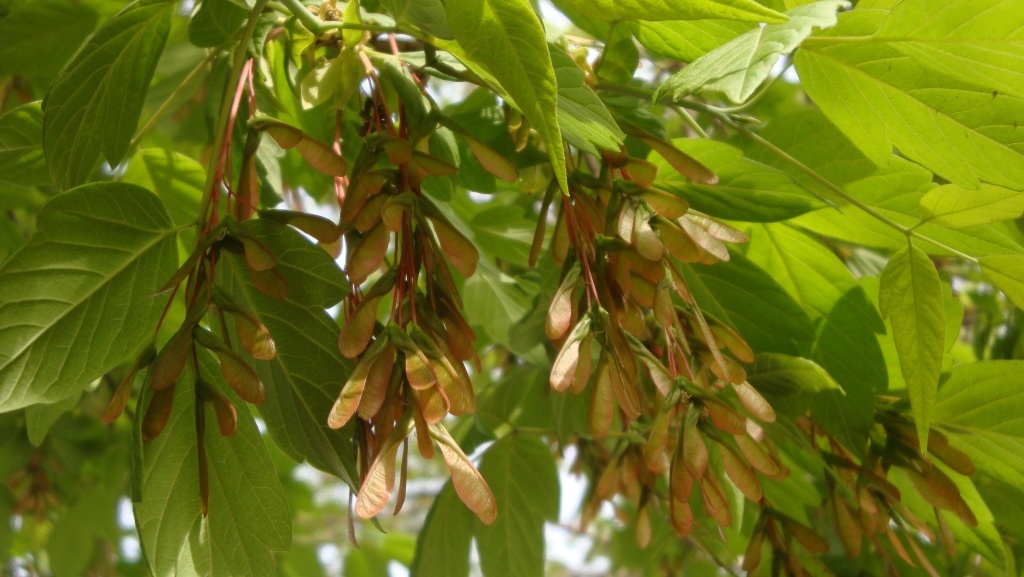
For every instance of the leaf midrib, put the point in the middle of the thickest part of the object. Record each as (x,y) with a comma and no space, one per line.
(87,295)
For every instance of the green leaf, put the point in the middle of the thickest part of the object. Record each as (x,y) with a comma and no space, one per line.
(215,23)
(811,273)
(82,287)
(39,418)
(583,118)
(40,36)
(307,373)
(521,472)
(94,105)
(248,513)
(847,348)
(737,68)
(785,375)
(21,146)
(170,504)
(954,206)
(313,277)
(493,301)
(442,546)
(746,298)
(427,15)
(175,178)
(507,37)
(1007,272)
(675,10)
(981,408)
(747,190)
(881,98)
(687,40)
(910,294)
(975,41)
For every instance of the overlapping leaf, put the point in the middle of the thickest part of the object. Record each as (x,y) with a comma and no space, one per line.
(94,105)
(737,68)
(508,39)
(880,97)
(911,296)
(80,290)
(584,120)
(675,10)
(21,146)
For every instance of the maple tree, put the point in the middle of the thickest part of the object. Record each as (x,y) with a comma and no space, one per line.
(751,270)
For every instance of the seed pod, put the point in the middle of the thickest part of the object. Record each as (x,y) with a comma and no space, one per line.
(461,253)
(358,330)
(665,204)
(945,532)
(321,157)
(725,418)
(468,482)
(847,527)
(806,537)
(654,449)
(640,171)
(564,369)
(681,516)
(754,402)
(366,257)
(728,337)
(351,393)
(897,544)
(254,336)
(724,367)
(238,375)
(741,475)
(423,442)
(124,390)
(602,404)
(702,237)
(247,195)
(684,163)
(717,228)
(378,381)
(645,240)
(171,360)
(756,455)
(694,450)
(158,412)
(752,555)
(227,418)
(583,368)
(953,458)
(664,309)
(380,478)
(643,527)
(398,150)
(363,187)
(394,211)
(491,159)
(433,404)
(677,242)
(941,492)
(560,312)
(370,214)
(269,282)
(715,503)
(560,240)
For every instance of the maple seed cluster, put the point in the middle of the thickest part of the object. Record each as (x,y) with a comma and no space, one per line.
(410,371)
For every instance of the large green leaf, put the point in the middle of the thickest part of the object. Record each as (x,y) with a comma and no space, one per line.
(674,10)
(810,272)
(94,105)
(248,513)
(977,41)
(880,98)
(508,39)
(737,68)
(170,505)
(442,545)
(304,378)
(687,40)
(910,295)
(521,472)
(427,15)
(747,190)
(1007,272)
(175,178)
(748,299)
(981,407)
(75,302)
(783,375)
(955,206)
(215,22)
(584,120)
(40,36)
(847,348)
(21,146)
(39,418)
